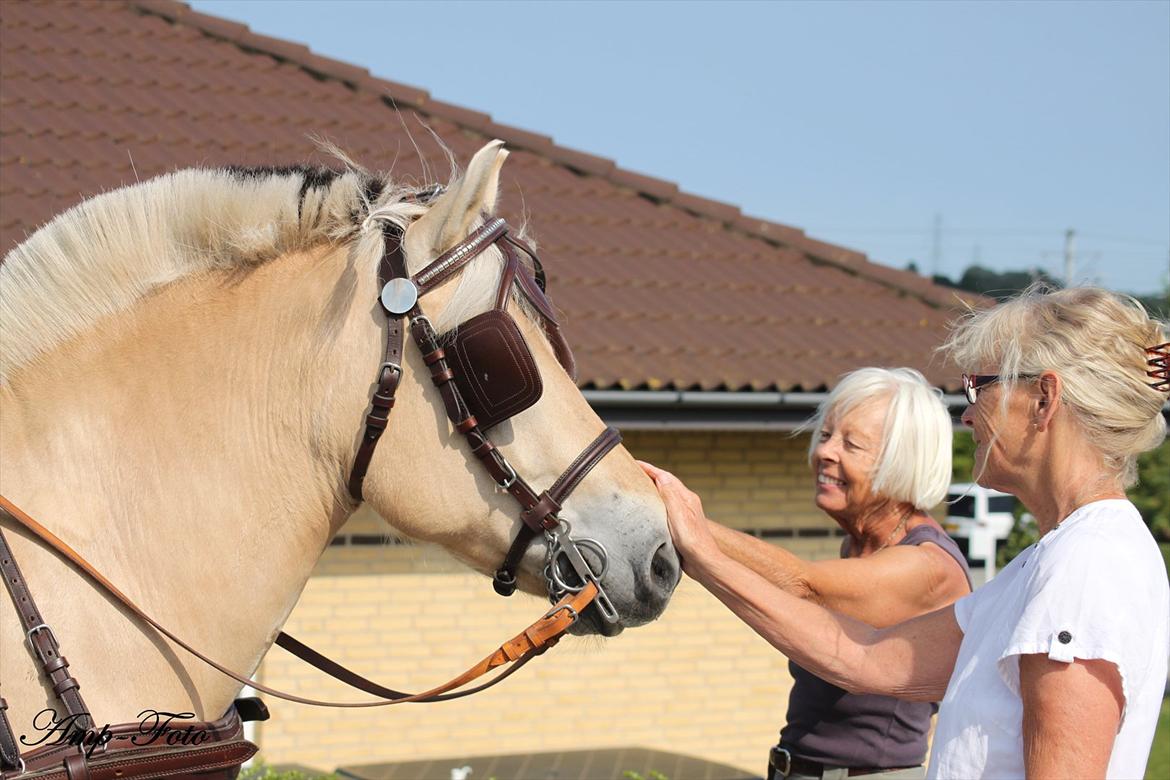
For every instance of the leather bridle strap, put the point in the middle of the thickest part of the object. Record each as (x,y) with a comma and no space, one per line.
(538,511)
(549,503)
(530,642)
(41,638)
(392,266)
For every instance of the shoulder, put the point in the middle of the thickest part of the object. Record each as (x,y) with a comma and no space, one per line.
(935,573)
(945,556)
(1104,554)
(1110,533)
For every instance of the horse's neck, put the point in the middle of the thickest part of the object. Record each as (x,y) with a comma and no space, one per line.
(187,450)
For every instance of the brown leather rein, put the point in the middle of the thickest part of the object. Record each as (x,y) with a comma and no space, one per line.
(572,583)
(530,642)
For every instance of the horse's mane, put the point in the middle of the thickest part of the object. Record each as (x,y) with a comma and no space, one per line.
(106,253)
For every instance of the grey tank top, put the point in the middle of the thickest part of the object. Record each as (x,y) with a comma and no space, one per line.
(828,725)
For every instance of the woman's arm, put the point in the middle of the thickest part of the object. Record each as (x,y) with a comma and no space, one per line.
(1071,715)
(912,660)
(883,589)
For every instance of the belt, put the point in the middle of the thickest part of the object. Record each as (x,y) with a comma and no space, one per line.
(782,761)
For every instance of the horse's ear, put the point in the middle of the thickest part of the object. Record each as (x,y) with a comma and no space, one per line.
(449,220)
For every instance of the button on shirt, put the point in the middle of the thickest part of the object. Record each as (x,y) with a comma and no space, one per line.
(1093,588)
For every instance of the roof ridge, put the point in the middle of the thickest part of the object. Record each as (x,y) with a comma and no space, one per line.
(360,79)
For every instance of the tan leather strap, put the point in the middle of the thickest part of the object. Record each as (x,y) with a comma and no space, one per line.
(532,641)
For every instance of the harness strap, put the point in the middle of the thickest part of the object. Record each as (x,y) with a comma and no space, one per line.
(532,641)
(505,576)
(532,286)
(54,666)
(392,266)
(9,752)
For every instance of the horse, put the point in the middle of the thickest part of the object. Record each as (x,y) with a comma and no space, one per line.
(185,367)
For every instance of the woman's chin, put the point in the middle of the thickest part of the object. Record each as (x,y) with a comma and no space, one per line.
(825,501)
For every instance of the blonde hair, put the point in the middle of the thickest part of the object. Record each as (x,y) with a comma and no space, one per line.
(914,462)
(1095,341)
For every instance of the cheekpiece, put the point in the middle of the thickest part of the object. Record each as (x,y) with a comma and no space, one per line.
(1160,363)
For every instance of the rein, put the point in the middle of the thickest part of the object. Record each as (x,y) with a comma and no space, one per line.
(520,649)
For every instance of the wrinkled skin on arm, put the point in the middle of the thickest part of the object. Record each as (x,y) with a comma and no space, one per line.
(1072,712)
(911,660)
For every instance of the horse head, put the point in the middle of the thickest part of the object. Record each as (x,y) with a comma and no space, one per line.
(185,387)
(426,482)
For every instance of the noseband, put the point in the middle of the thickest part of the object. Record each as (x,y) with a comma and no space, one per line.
(487,344)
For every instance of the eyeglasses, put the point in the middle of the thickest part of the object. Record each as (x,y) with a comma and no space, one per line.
(972,383)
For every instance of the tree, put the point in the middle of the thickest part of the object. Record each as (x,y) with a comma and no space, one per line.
(995,284)
(1151,495)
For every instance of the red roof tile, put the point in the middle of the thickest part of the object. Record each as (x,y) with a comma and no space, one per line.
(660,289)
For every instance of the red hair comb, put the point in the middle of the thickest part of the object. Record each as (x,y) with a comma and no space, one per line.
(1160,362)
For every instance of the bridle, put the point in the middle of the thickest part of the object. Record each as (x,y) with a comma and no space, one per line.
(485,374)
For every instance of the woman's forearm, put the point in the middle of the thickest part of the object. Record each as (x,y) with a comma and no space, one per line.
(775,564)
(909,660)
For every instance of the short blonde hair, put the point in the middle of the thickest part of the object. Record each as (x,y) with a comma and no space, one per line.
(1095,341)
(914,462)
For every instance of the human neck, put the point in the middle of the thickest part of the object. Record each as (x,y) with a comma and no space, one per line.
(879,528)
(1071,474)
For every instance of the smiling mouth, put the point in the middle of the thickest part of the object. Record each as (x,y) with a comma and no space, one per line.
(825,479)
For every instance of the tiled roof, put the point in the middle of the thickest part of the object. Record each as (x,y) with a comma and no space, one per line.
(660,289)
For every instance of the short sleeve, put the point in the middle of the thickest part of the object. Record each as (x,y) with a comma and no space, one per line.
(1078,603)
(963,609)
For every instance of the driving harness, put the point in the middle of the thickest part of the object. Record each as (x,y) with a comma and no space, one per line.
(485,373)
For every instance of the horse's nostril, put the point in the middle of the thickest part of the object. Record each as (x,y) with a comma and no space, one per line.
(664,568)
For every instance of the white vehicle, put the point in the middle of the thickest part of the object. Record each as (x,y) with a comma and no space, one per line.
(978,519)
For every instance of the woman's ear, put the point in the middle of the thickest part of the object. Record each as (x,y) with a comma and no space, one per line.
(1046,399)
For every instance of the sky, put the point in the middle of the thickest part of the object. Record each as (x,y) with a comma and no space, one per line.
(943,133)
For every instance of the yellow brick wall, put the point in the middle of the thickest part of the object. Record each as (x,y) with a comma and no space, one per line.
(697,681)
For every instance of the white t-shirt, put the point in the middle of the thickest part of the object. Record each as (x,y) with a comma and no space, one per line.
(1093,588)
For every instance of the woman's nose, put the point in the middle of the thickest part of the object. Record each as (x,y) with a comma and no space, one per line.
(968,417)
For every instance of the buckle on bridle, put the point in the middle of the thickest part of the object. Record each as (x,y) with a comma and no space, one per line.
(511,480)
(565,607)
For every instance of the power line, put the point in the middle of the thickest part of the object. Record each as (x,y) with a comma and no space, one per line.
(966,231)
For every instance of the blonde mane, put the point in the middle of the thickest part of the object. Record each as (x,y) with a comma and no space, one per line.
(110,251)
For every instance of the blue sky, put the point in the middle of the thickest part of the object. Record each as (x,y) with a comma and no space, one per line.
(860,122)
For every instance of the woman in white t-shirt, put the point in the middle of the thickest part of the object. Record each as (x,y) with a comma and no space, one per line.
(1057,667)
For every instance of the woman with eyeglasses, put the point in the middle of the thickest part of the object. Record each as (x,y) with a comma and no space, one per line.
(1056,668)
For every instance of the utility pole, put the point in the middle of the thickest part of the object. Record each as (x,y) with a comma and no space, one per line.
(936,245)
(1070,260)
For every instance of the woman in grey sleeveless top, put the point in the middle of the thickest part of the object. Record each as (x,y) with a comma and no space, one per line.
(881,458)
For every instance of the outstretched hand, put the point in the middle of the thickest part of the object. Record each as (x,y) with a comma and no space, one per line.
(684,514)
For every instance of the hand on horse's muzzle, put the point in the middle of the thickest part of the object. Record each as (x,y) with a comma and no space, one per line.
(684,516)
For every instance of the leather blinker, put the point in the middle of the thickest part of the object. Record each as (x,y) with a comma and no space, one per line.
(493,367)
